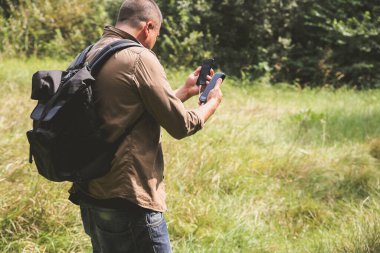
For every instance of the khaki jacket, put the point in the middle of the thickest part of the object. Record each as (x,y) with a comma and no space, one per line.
(130,84)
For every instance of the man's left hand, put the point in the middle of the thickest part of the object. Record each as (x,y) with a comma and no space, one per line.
(190,88)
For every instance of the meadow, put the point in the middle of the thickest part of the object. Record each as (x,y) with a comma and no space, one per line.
(276,169)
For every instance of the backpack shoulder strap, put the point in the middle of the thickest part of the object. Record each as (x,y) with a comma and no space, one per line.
(108,51)
(81,58)
(100,59)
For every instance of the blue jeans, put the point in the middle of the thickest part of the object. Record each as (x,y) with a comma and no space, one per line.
(114,231)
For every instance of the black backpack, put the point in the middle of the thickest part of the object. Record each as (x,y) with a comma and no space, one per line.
(66,141)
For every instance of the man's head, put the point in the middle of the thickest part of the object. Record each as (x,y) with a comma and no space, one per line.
(142,19)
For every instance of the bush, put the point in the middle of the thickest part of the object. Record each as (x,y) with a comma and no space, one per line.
(46,27)
(182,41)
(311,43)
(334,42)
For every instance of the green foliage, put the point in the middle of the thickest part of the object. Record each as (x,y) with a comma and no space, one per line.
(248,33)
(46,27)
(334,42)
(313,43)
(183,42)
(112,8)
(305,42)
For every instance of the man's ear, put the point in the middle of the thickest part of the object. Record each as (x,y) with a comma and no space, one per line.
(149,25)
(147,28)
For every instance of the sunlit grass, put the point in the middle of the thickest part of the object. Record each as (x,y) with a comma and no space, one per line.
(277,169)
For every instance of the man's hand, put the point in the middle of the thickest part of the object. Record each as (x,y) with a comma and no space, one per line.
(216,93)
(190,87)
(213,100)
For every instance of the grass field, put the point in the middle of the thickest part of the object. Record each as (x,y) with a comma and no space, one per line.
(277,169)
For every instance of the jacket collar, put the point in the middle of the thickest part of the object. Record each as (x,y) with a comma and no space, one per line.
(111,31)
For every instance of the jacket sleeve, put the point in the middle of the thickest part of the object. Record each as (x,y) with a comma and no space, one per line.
(160,100)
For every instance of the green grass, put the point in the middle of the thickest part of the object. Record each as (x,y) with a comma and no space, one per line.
(277,169)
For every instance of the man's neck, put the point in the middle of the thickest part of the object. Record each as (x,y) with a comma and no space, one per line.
(137,33)
(126,28)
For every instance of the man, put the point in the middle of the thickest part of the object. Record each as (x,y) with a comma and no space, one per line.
(122,211)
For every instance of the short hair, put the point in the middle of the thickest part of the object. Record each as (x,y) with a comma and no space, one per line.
(133,12)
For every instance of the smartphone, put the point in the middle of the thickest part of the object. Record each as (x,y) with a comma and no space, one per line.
(210,86)
(207,65)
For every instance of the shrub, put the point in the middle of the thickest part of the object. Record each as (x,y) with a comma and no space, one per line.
(333,42)
(47,27)
(311,43)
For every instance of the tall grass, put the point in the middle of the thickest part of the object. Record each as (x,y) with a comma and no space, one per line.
(277,169)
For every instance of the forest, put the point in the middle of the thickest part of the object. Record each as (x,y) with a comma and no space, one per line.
(303,42)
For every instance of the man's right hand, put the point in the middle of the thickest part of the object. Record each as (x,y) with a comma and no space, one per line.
(216,93)
(214,98)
